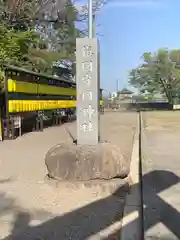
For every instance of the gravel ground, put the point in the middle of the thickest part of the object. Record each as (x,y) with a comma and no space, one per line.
(31,208)
(161,179)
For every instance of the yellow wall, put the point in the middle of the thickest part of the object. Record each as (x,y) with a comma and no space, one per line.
(16,106)
(34,88)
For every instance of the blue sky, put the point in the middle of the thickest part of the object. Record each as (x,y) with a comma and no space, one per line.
(131,27)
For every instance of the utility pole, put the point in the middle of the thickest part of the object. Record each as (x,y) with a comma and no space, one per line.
(90,18)
(94,25)
(117,85)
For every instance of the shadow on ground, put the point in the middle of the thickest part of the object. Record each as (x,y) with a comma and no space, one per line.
(28,125)
(89,220)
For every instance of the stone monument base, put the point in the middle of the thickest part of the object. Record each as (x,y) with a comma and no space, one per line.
(71,162)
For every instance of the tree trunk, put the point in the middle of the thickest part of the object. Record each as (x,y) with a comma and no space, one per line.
(168,92)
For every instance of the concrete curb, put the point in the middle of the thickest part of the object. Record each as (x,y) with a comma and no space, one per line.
(131,223)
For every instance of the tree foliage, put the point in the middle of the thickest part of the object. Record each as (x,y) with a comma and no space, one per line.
(159,73)
(37,33)
(14,46)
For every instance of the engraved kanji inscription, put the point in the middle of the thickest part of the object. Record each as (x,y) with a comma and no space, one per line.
(87,79)
(87,66)
(87,51)
(87,95)
(88,112)
(87,89)
(87,127)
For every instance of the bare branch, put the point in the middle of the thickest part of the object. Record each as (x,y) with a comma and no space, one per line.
(82,10)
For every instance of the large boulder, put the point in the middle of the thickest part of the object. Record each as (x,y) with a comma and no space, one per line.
(80,162)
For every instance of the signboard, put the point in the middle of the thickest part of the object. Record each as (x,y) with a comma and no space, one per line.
(17,122)
(88,91)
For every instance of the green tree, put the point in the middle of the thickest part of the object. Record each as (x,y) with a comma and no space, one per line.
(54,21)
(159,73)
(14,46)
(59,33)
(19,14)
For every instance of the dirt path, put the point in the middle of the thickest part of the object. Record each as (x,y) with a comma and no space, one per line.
(31,208)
